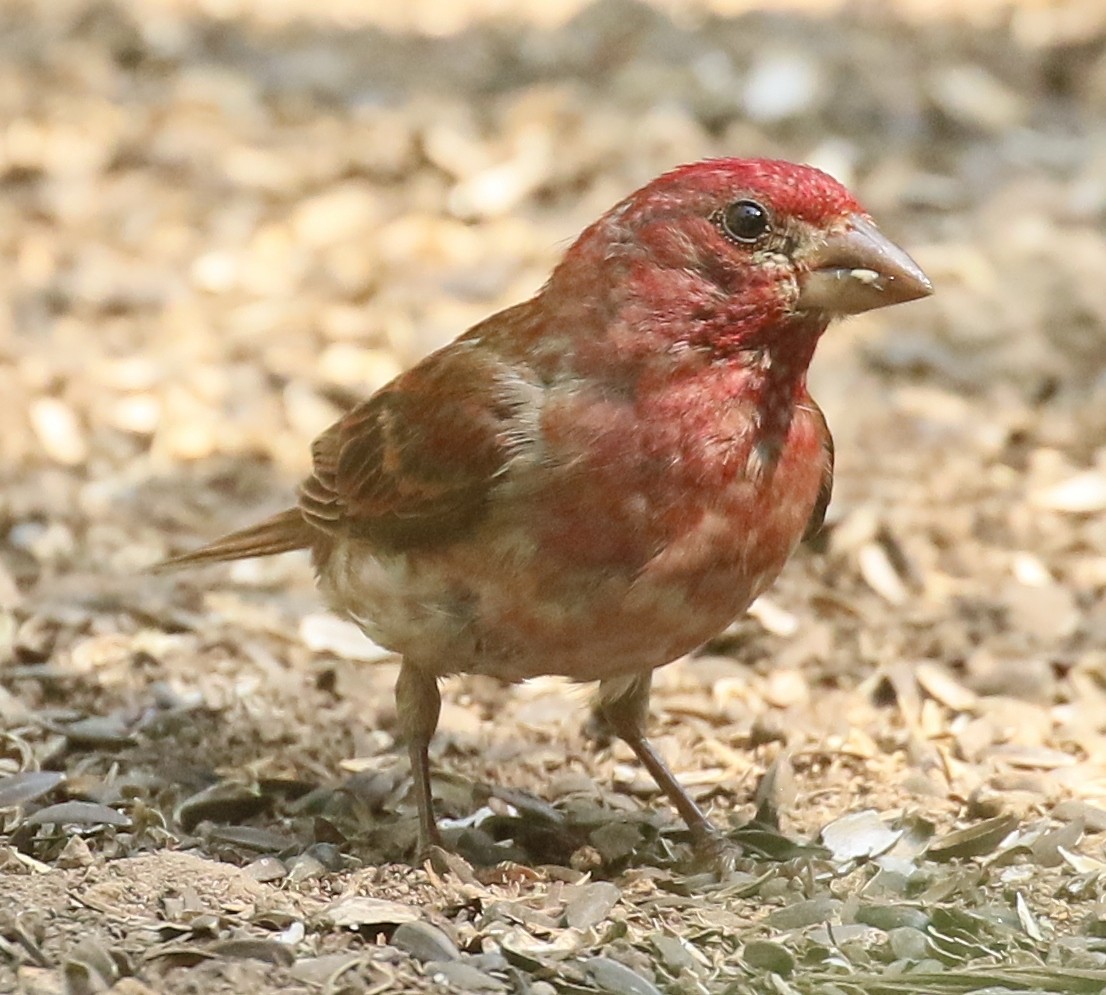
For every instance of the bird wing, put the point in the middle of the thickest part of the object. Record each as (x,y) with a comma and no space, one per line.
(825,491)
(416,463)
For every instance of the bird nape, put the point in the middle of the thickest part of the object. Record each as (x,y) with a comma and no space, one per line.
(598,480)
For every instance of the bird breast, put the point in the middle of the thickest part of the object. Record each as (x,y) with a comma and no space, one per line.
(640,533)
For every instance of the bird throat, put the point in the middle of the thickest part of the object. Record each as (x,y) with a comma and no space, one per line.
(774,383)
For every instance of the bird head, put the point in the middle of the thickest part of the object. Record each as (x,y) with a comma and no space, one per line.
(723,253)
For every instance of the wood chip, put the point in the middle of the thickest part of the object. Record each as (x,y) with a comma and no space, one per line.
(947,690)
(77,814)
(357,911)
(590,904)
(880,574)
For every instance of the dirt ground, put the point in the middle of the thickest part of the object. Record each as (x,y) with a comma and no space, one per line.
(223,221)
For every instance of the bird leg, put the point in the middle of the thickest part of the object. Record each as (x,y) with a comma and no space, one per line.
(418,705)
(623,704)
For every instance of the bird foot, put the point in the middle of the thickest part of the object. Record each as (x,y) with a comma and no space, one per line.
(714,851)
(429,842)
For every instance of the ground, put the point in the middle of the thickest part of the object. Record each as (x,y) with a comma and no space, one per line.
(223,221)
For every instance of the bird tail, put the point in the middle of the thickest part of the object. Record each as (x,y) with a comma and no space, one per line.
(279,534)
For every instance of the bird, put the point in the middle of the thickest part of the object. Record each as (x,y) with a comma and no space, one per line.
(598,480)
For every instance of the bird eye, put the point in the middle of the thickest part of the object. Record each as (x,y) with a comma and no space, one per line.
(745,221)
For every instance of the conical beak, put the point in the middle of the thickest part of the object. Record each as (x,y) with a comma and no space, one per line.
(857,269)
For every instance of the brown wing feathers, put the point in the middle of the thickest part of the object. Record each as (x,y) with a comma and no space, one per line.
(409,467)
(825,492)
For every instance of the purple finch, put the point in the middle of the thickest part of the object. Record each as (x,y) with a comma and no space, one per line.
(596,481)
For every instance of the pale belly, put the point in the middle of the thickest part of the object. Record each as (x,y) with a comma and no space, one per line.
(508,603)
(508,624)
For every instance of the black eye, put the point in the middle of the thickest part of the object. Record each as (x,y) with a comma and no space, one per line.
(745,221)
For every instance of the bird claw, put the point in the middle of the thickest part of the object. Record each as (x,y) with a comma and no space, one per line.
(444,861)
(717,852)
(434,852)
(429,844)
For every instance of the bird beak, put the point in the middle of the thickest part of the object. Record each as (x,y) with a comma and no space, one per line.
(857,268)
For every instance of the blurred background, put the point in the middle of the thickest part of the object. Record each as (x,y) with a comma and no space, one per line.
(224,221)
